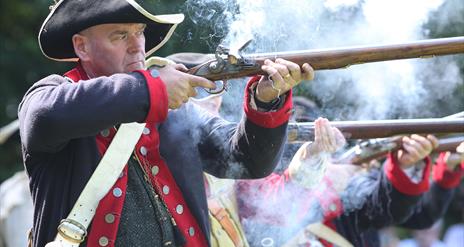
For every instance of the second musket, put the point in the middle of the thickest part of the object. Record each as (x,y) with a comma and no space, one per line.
(368,129)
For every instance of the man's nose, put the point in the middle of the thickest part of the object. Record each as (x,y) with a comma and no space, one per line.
(136,43)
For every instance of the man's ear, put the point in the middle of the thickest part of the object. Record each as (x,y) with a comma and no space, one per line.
(81,46)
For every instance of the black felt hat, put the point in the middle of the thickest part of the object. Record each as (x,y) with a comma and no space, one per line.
(69,17)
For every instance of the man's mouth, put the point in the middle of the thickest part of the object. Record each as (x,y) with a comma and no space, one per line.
(134,63)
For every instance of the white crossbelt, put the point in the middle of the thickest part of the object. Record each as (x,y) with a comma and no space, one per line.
(73,230)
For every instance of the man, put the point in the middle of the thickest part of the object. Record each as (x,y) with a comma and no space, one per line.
(338,195)
(352,204)
(67,123)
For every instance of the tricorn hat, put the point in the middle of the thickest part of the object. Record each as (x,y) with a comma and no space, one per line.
(69,17)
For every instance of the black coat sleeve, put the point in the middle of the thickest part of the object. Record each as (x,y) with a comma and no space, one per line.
(224,149)
(56,110)
(430,208)
(383,205)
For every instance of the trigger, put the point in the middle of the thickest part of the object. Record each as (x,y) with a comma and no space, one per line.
(220,87)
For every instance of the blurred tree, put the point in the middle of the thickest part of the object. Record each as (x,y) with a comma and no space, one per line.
(21,64)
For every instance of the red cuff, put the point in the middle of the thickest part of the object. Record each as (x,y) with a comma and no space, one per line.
(158,98)
(267,119)
(445,178)
(401,181)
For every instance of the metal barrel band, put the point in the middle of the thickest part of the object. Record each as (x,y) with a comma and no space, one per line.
(72,231)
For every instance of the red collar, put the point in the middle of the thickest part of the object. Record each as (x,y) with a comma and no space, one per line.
(77,74)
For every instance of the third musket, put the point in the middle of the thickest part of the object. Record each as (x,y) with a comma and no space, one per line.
(367,129)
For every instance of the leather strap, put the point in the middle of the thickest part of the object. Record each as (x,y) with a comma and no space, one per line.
(73,230)
(223,217)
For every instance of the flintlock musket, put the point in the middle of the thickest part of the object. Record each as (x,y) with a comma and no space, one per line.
(231,63)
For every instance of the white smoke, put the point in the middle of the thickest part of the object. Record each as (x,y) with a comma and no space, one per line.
(395,89)
(371,91)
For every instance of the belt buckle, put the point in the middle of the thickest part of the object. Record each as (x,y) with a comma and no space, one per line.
(72,231)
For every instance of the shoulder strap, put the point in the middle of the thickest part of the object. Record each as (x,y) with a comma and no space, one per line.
(73,230)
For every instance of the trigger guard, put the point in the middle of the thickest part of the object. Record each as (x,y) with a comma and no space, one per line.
(220,87)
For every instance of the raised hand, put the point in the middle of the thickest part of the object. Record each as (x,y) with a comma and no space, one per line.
(310,162)
(327,139)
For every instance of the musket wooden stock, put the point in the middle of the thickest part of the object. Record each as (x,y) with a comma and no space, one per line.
(302,132)
(375,149)
(331,58)
(449,144)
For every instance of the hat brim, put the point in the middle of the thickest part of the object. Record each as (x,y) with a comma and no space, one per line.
(69,17)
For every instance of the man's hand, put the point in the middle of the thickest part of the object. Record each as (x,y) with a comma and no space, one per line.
(415,148)
(181,86)
(283,76)
(327,139)
(453,159)
(310,162)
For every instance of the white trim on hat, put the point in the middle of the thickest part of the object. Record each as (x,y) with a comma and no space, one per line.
(164,19)
(41,29)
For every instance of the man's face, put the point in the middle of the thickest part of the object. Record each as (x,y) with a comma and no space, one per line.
(114,48)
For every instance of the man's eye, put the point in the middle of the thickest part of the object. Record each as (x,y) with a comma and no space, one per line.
(140,32)
(123,36)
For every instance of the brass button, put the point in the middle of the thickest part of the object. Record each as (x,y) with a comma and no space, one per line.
(191,231)
(166,189)
(154,170)
(103,241)
(105,133)
(179,209)
(109,218)
(154,73)
(143,150)
(117,192)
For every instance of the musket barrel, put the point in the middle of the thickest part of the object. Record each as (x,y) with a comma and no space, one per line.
(248,65)
(343,57)
(301,132)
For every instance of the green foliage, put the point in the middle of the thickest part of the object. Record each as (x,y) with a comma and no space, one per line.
(21,64)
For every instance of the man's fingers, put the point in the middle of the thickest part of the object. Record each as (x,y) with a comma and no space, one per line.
(318,134)
(180,67)
(411,150)
(433,140)
(196,81)
(283,71)
(292,68)
(330,141)
(275,76)
(425,145)
(340,139)
(192,92)
(308,72)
